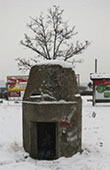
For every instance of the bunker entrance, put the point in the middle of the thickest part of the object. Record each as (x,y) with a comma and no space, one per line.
(46,141)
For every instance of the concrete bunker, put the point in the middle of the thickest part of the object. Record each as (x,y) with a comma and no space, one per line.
(51,113)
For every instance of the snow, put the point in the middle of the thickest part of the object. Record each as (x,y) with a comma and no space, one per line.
(43,96)
(95,140)
(99,76)
(77,95)
(50,102)
(62,63)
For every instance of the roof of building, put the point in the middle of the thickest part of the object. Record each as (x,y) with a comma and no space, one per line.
(99,76)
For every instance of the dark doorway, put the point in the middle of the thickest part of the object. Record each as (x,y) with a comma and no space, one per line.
(46,140)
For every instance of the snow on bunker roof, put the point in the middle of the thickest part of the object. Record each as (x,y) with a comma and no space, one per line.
(63,64)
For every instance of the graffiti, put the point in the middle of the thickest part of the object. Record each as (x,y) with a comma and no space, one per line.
(66,122)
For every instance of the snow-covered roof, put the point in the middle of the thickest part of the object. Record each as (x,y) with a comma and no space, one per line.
(99,76)
(64,64)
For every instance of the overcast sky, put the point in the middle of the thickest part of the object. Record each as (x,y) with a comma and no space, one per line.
(92,21)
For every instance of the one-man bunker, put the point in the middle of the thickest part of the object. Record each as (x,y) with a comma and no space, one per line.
(51,113)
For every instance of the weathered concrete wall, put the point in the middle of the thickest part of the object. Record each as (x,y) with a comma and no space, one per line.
(52,96)
(59,83)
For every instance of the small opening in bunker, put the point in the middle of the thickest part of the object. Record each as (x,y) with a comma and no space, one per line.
(46,140)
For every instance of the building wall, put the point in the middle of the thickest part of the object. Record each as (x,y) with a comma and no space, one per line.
(52,96)
(68,118)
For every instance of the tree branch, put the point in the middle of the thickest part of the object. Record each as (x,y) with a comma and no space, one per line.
(51,38)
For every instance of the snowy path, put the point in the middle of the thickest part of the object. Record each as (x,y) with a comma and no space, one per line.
(95,141)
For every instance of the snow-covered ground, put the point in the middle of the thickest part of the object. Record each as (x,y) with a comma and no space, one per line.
(95,141)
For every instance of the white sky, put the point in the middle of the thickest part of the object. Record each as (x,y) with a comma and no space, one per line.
(92,21)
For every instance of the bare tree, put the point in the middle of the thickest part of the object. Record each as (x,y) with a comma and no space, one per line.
(52,39)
